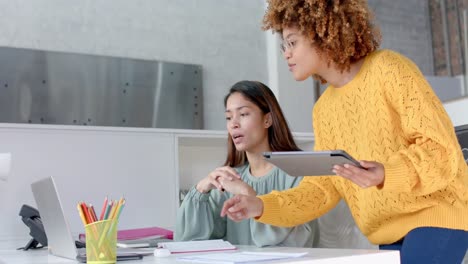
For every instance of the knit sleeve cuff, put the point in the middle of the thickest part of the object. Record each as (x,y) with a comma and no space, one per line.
(271,209)
(397,175)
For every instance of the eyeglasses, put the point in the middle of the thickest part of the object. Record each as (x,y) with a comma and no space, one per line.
(287,44)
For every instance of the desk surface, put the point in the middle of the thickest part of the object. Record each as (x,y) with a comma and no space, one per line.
(9,254)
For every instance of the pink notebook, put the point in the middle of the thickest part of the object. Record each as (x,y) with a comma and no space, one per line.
(131,234)
(139,233)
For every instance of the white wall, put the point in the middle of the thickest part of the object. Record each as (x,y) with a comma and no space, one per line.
(458,111)
(446,88)
(222,36)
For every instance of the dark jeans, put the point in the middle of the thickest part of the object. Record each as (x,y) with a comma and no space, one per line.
(431,245)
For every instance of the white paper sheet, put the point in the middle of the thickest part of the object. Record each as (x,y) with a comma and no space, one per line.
(240,257)
(197,246)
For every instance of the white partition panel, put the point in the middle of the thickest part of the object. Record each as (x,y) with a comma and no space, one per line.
(88,164)
(458,111)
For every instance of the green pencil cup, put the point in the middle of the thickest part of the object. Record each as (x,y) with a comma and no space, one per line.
(101,242)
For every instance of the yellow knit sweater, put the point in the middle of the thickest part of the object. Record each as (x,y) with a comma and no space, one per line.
(388,113)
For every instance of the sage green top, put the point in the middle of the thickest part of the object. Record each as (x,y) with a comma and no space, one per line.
(198,218)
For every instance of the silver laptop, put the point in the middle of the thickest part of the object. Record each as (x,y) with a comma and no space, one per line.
(309,163)
(59,238)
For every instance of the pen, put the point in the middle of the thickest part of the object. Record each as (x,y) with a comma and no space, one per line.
(103,210)
(112,211)
(120,209)
(80,211)
(108,209)
(92,213)
(119,205)
(89,220)
(114,216)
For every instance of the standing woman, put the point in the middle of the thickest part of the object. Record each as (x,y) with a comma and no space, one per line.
(413,193)
(255,124)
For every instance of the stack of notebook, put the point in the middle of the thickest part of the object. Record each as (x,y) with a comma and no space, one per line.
(140,237)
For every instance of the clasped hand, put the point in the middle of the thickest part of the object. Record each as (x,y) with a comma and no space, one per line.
(225,179)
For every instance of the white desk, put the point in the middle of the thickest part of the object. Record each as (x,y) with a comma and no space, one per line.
(9,254)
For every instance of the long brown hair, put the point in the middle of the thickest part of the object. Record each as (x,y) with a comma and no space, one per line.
(279,136)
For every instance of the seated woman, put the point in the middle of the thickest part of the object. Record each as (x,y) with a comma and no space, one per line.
(255,124)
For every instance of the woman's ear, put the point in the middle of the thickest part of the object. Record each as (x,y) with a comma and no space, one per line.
(267,120)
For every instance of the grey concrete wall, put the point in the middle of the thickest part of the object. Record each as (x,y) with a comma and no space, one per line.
(222,36)
(405,28)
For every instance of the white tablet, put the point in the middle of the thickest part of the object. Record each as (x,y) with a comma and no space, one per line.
(309,163)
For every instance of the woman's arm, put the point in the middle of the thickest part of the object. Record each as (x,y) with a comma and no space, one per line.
(433,158)
(313,197)
(198,218)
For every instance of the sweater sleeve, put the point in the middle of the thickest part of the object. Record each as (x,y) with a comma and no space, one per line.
(198,217)
(314,196)
(432,157)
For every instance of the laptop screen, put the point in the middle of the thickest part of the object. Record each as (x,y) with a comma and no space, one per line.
(59,237)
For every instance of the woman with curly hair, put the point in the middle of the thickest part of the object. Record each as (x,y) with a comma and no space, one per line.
(412,194)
